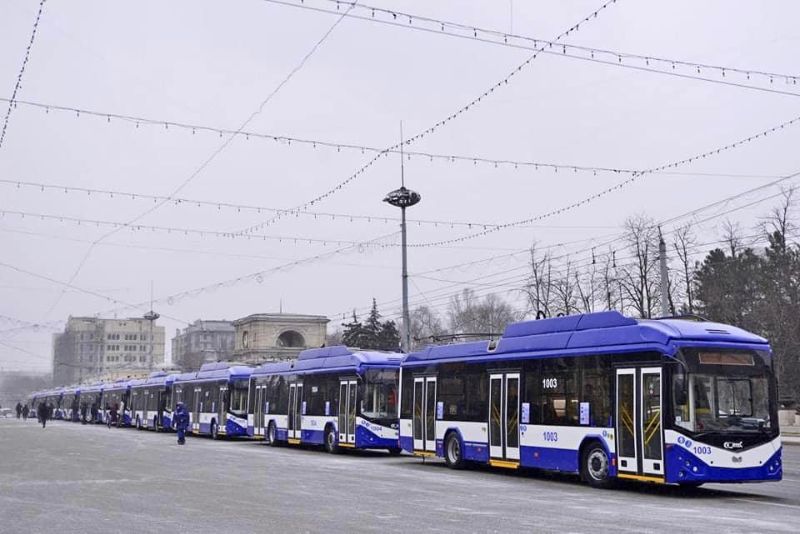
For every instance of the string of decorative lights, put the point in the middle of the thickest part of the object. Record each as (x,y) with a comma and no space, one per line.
(513,283)
(21,73)
(218,205)
(207,161)
(442,122)
(691,213)
(586,257)
(142,307)
(166,125)
(259,276)
(183,230)
(193,250)
(660,65)
(608,190)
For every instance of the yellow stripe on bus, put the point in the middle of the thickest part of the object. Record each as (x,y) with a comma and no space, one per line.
(642,478)
(504,463)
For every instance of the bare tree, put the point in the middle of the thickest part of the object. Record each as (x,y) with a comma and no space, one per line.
(334,338)
(470,315)
(639,279)
(732,236)
(778,224)
(538,287)
(684,241)
(564,288)
(426,325)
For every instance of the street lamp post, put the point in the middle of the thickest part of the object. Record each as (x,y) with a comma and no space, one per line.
(404,198)
(151,316)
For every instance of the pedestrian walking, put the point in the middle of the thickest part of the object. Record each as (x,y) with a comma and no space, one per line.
(84,410)
(25,412)
(181,422)
(93,411)
(44,413)
(19,410)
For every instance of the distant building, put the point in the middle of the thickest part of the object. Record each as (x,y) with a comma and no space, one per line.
(91,348)
(202,342)
(277,336)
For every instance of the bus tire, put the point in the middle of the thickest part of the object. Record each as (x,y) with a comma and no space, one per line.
(453,451)
(214,430)
(595,466)
(272,434)
(331,441)
(395,451)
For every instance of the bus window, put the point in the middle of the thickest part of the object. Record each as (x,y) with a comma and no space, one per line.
(239,399)
(380,394)
(558,393)
(596,390)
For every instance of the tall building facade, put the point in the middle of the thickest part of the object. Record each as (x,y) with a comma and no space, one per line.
(91,348)
(202,342)
(277,336)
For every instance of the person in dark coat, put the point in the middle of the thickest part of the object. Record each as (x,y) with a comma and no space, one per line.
(181,422)
(44,414)
(25,412)
(93,411)
(113,414)
(19,410)
(84,409)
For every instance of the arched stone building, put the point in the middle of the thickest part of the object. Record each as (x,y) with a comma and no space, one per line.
(276,336)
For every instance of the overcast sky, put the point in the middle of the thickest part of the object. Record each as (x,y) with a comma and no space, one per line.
(213,63)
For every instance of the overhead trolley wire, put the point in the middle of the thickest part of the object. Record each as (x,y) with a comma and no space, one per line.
(18,83)
(208,160)
(407,142)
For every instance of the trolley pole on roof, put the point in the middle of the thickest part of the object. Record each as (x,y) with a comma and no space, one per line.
(404,198)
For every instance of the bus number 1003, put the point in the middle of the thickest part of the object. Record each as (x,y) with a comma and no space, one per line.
(550,436)
(549,383)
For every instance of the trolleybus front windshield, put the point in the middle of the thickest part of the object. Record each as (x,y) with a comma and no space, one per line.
(380,394)
(728,392)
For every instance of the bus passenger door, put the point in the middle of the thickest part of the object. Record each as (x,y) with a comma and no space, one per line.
(348,396)
(196,413)
(145,404)
(222,410)
(295,417)
(424,418)
(640,448)
(504,416)
(258,412)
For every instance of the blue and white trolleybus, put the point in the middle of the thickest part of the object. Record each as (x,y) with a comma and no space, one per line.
(333,396)
(603,395)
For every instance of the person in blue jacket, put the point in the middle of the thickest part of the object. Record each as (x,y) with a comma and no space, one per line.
(181,422)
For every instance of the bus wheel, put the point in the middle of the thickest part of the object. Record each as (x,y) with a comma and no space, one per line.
(453,455)
(214,430)
(395,451)
(331,443)
(272,434)
(594,466)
